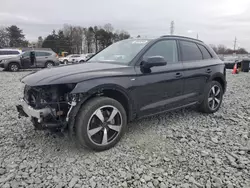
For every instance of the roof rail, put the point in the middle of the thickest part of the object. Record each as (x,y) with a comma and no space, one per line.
(180,37)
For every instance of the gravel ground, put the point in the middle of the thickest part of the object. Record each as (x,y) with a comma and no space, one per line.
(178,149)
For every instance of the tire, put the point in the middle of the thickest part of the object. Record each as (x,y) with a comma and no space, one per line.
(211,97)
(65,61)
(13,67)
(49,64)
(82,61)
(87,119)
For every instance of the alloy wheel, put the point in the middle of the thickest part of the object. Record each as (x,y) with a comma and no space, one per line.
(49,65)
(14,67)
(104,125)
(214,97)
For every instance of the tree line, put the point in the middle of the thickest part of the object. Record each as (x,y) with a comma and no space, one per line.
(77,39)
(72,39)
(222,49)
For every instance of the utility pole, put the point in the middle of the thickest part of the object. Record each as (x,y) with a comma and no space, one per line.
(172,28)
(197,36)
(235,41)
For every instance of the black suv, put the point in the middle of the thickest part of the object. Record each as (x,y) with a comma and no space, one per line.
(130,79)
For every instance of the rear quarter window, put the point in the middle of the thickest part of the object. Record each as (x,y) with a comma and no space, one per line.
(206,54)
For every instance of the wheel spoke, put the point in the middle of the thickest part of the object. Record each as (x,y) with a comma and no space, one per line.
(213,90)
(94,131)
(213,103)
(217,100)
(210,99)
(99,114)
(116,128)
(114,112)
(217,92)
(105,137)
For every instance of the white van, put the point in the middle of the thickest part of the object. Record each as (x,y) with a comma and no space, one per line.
(9,53)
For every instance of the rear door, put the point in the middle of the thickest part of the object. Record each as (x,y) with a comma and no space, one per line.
(42,58)
(197,68)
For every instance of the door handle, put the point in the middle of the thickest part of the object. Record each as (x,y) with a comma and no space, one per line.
(208,71)
(178,75)
(46,57)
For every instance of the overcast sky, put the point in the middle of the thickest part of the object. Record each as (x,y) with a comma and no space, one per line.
(215,21)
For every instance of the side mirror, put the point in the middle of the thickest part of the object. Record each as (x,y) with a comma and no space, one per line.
(153,61)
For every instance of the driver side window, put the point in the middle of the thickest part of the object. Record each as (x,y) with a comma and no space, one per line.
(166,49)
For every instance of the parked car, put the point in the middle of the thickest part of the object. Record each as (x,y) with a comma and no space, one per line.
(82,58)
(128,80)
(68,58)
(230,61)
(42,59)
(5,53)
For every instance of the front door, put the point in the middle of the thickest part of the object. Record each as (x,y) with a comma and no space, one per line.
(25,60)
(161,88)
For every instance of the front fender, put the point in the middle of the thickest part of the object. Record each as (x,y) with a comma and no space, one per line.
(120,84)
(90,86)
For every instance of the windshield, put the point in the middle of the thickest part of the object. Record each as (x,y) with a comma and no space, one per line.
(121,52)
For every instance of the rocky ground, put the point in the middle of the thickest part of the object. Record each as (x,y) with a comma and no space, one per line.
(178,149)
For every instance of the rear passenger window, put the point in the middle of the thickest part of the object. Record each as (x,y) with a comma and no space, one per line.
(205,52)
(190,51)
(166,49)
(42,54)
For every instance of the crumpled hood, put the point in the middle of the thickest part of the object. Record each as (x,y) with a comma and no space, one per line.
(74,73)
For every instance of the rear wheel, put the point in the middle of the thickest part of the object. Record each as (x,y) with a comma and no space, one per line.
(212,98)
(82,61)
(101,123)
(49,64)
(13,67)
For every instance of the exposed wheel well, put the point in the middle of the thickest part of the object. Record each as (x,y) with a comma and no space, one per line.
(220,80)
(117,95)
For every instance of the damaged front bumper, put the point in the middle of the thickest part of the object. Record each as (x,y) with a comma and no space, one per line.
(27,111)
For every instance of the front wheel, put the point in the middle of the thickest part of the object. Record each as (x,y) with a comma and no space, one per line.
(13,67)
(101,123)
(212,97)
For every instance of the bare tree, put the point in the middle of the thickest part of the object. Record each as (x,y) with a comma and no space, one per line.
(75,36)
(108,27)
(222,49)
(39,42)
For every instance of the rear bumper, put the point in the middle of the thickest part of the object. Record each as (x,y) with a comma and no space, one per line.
(27,111)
